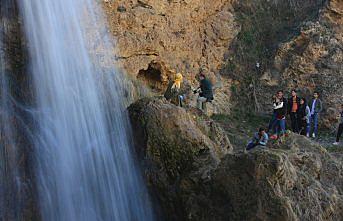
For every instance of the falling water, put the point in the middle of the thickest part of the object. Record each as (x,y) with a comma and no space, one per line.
(13,168)
(84,166)
(8,170)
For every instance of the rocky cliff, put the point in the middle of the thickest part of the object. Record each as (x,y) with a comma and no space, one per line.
(190,167)
(297,43)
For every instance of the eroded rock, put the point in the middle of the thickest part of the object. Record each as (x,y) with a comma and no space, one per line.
(194,176)
(178,149)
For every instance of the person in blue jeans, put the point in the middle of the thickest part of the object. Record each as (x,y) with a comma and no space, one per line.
(260,139)
(316,108)
(272,122)
(280,111)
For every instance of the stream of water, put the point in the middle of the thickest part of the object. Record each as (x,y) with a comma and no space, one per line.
(84,167)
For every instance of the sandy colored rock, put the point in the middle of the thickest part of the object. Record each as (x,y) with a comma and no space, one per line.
(156,36)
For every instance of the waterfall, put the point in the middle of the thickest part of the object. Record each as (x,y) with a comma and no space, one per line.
(15,190)
(8,170)
(84,168)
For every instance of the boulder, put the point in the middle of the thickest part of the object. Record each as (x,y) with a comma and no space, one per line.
(178,149)
(193,174)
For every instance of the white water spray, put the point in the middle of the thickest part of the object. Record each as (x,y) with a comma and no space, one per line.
(85,169)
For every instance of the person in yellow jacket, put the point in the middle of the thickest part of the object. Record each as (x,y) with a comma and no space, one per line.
(173,90)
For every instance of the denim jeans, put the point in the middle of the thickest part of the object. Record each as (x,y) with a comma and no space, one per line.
(272,124)
(281,127)
(314,122)
(252,145)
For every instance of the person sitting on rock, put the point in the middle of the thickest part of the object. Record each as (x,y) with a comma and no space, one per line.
(340,127)
(304,115)
(280,108)
(316,109)
(260,139)
(205,92)
(173,90)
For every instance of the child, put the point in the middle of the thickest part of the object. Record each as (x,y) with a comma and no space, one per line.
(304,115)
(340,127)
(260,139)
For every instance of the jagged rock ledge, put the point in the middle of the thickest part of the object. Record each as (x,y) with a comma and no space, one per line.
(189,166)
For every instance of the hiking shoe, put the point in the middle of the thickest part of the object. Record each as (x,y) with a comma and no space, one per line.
(313,135)
(335,143)
(307,135)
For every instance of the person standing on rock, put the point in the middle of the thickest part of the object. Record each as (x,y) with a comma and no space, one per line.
(293,106)
(280,108)
(205,92)
(173,90)
(272,122)
(304,115)
(260,139)
(340,127)
(316,109)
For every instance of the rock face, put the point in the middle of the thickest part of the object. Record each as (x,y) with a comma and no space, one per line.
(155,37)
(183,35)
(313,59)
(178,150)
(297,181)
(194,176)
(298,44)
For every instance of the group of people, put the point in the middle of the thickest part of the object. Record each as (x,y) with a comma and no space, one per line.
(177,96)
(304,118)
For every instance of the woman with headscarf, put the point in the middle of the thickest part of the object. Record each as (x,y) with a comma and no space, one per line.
(173,90)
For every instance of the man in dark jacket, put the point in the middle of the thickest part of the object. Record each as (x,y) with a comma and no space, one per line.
(316,108)
(293,107)
(205,94)
(280,110)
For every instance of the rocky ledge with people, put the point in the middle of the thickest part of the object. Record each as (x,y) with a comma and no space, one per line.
(194,174)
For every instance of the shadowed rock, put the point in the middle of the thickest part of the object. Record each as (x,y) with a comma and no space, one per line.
(194,177)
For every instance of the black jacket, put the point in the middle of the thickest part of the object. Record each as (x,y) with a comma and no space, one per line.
(290,104)
(280,108)
(301,113)
(206,89)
